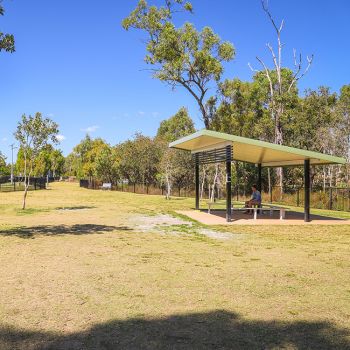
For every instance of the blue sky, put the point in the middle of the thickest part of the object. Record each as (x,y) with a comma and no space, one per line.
(75,64)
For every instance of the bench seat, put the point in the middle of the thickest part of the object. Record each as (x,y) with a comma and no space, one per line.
(264,207)
(270,208)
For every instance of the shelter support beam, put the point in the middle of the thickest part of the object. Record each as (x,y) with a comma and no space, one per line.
(228,184)
(307,190)
(259,184)
(197,180)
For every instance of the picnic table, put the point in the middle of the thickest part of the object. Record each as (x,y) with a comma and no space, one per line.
(258,209)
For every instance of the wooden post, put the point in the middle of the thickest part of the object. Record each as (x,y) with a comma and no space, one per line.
(307,190)
(228,183)
(197,180)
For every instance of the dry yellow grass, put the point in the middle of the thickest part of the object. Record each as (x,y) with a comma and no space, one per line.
(79,270)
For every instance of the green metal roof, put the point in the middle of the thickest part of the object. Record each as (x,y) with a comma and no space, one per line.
(252,151)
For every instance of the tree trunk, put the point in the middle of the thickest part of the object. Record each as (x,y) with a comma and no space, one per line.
(25,195)
(168,185)
(212,198)
(279,141)
(269,181)
(25,182)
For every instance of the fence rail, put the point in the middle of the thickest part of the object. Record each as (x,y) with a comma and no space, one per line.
(332,198)
(35,183)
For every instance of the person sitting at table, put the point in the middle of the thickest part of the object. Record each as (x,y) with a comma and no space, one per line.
(255,200)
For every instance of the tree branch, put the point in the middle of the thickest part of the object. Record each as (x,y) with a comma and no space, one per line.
(267,73)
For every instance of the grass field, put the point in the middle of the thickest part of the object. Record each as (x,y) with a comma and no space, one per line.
(83,269)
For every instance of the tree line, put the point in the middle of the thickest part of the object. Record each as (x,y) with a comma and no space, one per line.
(318,121)
(269,107)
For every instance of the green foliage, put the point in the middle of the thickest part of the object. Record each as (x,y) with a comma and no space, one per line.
(139,159)
(312,120)
(5,169)
(50,161)
(107,164)
(175,166)
(81,162)
(7,41)
(56,162)
(33,135)
(181,56)
(176,126)
(242,110)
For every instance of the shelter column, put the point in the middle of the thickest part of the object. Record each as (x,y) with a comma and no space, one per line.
(307,190)
(197,179)
(228,183)
(259,184)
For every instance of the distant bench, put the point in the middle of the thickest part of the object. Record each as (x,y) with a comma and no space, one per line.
(106,186)
(264,207)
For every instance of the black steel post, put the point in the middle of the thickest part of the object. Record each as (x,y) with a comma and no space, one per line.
(259,184)
(197,179)
(307,190)
(228,183)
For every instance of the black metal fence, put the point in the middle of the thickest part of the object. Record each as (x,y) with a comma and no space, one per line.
(17,184)
(332,198)
(138,188)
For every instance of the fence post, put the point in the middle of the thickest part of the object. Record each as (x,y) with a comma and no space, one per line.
(330,198)
(271,194)
(298,199)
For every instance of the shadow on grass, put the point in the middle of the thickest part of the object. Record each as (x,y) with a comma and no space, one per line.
(290,215)
(78,207)
(212,330)
(51,230)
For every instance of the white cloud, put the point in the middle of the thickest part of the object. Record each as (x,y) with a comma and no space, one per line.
(90,129)
(60,137)
(4,139)
(155,114)
(141,112)
(50,115)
